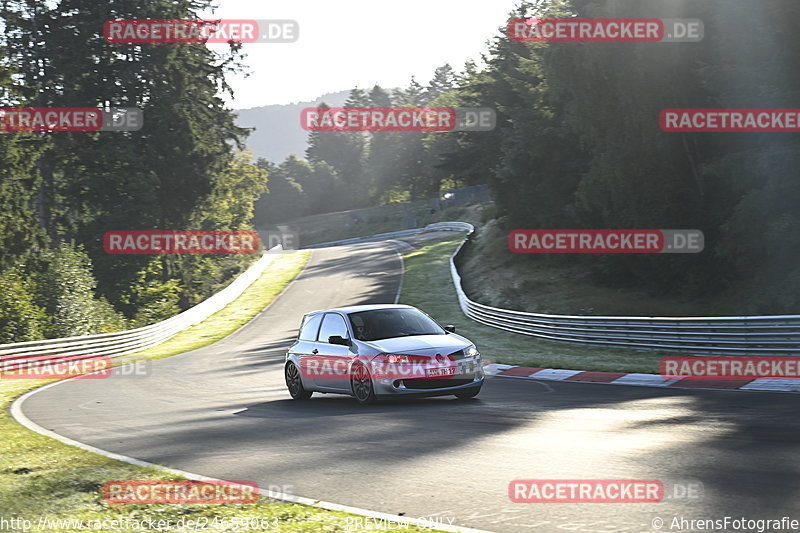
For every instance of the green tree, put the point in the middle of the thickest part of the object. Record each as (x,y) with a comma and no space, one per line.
(65,288)
(344,152)
(285,198)
(20,231)
(20,318)
(444,80)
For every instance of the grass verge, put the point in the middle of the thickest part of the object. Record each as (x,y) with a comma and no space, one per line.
(428,285)
(574,284)
(44,479)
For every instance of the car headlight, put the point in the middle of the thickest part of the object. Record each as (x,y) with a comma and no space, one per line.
(472,351)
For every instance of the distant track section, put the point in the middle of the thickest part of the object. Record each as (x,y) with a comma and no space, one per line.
(731,335)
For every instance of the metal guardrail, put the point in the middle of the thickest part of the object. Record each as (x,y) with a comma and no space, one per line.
(133,340)
(727,335)
(372,238)
(731,335)
(438,226)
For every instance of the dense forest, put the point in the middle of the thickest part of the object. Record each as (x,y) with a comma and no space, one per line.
(60,191)
(578,144)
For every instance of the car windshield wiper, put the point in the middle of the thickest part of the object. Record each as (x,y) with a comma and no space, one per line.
(399,336)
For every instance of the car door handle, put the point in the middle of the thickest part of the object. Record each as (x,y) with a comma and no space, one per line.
(315,351)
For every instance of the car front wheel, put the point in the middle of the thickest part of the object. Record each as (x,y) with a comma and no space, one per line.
(361,384)
(295,384)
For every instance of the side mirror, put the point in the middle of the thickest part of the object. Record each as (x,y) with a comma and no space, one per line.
(450,329)
(336,339)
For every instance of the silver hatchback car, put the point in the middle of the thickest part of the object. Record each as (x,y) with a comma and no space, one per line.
(380,351)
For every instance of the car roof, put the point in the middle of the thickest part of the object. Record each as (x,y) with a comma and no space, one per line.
(358,308)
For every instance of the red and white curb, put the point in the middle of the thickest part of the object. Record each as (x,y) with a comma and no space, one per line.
(640,380)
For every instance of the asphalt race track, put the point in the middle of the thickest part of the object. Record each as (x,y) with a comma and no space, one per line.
(223,411)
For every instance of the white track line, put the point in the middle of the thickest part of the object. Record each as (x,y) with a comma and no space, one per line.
(396,247)
(19,416)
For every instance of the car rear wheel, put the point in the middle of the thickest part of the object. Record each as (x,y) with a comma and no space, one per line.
(361,384)
(295,384)
(468,395)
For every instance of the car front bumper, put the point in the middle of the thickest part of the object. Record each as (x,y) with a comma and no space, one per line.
(395,388)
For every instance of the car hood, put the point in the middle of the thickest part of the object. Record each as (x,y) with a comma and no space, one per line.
(421,344)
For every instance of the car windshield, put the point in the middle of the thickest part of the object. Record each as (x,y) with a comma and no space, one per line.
(388,323)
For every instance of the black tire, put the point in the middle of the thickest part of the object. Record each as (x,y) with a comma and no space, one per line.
(294,383)
(468,395)
(361,384)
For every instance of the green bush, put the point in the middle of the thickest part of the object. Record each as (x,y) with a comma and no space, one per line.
(154,298)
(20,318)
(65,288)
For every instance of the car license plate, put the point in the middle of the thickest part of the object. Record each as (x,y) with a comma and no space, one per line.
(441,372)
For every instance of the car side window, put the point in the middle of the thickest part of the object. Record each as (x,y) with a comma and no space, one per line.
(359,329)
(308,331)
(333,324)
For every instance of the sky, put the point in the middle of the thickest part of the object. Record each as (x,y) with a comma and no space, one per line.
(358,43)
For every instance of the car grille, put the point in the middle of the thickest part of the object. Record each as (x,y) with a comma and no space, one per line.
(434,383)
